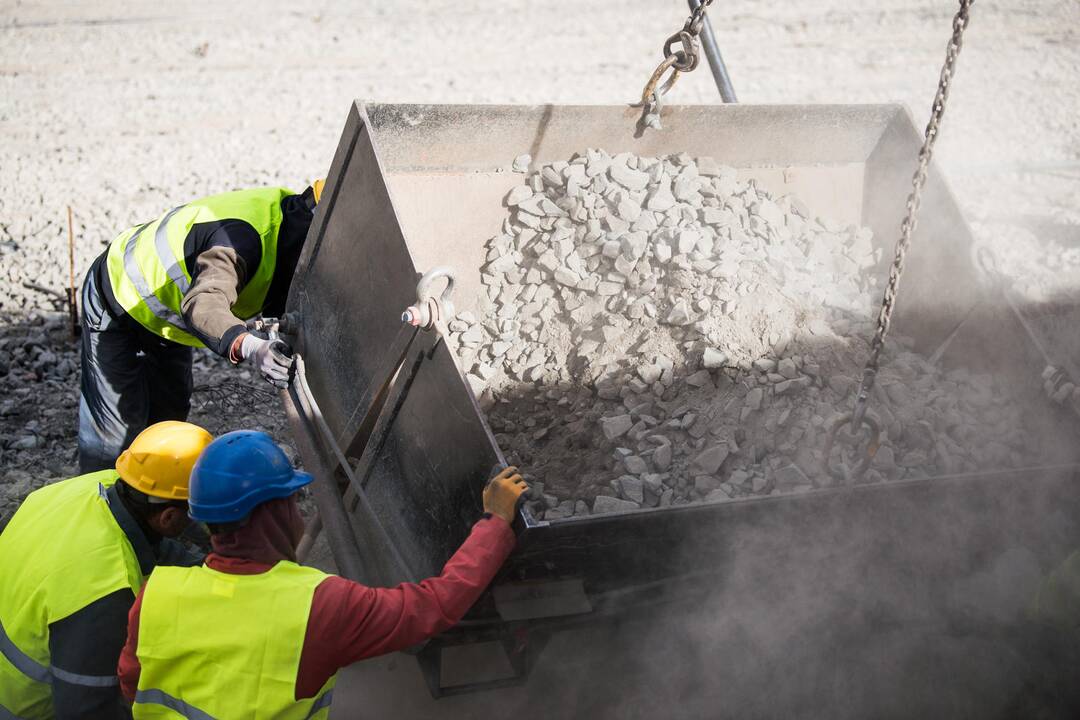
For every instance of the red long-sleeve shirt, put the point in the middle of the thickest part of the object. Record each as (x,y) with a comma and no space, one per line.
(351,622)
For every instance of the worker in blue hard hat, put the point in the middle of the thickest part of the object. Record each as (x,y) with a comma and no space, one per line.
(251,629)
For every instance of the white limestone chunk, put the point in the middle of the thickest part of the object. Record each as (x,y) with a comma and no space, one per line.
(708,461)
(518,194)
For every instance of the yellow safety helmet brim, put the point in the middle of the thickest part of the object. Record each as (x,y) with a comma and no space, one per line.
(317,188)
(160,459)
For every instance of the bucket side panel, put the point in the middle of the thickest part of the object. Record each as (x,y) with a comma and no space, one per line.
(425,481)
(359,279)
(426,484)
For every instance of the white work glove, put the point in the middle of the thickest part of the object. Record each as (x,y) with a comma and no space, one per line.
(272,358)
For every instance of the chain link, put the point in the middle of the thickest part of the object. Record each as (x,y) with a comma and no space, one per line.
(907,227)
(685,59)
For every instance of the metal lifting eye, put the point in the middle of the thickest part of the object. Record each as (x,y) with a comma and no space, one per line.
(841,474)
(428,309)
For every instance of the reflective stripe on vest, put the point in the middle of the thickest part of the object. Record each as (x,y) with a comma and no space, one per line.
(25,664)
(170,262)
(135,275)
(34,670)
(157,697)
(149,278)
(61,551)
(6,714)
(212,644)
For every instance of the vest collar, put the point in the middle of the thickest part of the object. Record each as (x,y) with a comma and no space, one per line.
(144,550)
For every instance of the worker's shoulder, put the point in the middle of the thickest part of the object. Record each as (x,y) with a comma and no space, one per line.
(261,203)
(302,573)
(49,499)
(69,548)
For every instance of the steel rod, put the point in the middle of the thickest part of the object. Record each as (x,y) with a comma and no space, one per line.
(72,298)
(716,60)
(334,520)
(312,412)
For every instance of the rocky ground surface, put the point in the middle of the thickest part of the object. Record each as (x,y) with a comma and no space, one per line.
(660,331)
(120,110)
(39,370)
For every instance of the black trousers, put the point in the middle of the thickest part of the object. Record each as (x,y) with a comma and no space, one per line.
(131,379)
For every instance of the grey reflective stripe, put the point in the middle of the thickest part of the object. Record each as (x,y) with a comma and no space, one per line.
(34,670)
(324,701)
(165,253)
(135,275)
(25,664)
(157,697)
(6,714)
(85,680)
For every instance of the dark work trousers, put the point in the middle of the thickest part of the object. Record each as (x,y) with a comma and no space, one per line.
(131,379)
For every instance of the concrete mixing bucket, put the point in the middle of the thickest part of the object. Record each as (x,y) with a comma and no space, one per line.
(416,186)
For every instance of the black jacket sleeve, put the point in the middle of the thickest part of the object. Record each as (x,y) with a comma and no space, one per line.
(174,552)
(85,649)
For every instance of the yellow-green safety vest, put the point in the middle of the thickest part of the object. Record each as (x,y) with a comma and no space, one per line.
(146,262)
(1057,600)
(215,645)
(61,551)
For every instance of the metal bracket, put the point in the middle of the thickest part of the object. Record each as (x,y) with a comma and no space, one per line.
(312,412)
(522,648)
(368,424)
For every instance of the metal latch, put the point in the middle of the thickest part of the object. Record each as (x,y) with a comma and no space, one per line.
(429,309)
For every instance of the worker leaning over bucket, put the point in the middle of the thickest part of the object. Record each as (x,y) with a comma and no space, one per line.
(72,558)
(187,279)
(251,632)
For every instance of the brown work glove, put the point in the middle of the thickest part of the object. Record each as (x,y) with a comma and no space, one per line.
(503,492)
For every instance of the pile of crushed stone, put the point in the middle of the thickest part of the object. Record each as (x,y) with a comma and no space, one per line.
(659,331)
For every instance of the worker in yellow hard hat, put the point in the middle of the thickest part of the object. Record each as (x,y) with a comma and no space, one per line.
(72,559)
(189,278)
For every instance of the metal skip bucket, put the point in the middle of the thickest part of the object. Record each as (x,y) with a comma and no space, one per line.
(401,455)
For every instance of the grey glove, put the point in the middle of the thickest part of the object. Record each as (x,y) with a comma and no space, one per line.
(272,358)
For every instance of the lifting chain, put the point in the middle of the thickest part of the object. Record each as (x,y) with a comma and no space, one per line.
(675,62)
(857,417)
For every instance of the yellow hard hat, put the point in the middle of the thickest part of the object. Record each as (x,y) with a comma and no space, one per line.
(317,187)
(160,459)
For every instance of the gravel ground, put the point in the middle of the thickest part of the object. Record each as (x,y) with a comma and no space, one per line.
(120,109)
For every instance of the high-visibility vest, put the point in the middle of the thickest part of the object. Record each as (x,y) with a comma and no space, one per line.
(215,645)
(146,263)
(60,552)
(1057,599)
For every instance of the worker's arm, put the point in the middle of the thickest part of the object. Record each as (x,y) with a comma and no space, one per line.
(84,648)
(224,254)
(128,668)
(350,621)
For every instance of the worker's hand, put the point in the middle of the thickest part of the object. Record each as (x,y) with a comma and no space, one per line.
(503,492)
(272,358)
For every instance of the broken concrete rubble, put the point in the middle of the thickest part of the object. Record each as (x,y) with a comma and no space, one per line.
(675,333)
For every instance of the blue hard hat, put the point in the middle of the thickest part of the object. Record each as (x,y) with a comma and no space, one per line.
(238,471)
